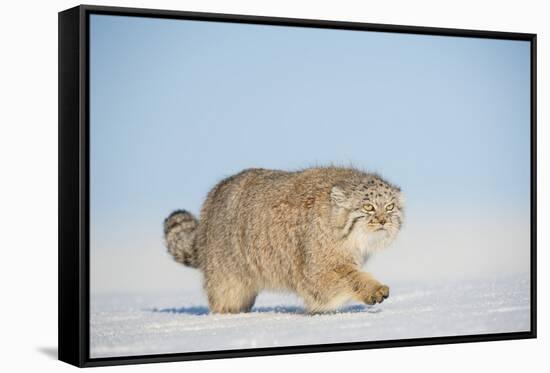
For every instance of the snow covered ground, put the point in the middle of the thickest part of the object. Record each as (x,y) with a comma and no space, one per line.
(126,324)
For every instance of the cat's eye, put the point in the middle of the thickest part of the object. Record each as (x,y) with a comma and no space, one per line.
(368,207)
(390,207)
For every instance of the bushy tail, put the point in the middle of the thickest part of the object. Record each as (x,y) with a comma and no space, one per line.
(179,233)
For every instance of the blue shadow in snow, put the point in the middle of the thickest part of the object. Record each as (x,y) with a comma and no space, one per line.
(201,310)
(196,310)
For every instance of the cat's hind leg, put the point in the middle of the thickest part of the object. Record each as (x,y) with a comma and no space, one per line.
(230,295)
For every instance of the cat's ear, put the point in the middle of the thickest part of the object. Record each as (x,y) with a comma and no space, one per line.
(338,196)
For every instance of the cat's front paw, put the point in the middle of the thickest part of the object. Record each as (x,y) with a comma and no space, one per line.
(377,294)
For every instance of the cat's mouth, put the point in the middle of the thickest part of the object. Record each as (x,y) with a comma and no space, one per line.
(377,228)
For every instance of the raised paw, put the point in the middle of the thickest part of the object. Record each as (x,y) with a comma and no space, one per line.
(379,293)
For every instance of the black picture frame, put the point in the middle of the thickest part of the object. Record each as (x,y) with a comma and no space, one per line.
(74,193)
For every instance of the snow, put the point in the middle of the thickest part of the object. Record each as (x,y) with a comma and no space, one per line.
(130,324)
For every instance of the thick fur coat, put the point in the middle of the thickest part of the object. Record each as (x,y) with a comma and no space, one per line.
(308,232)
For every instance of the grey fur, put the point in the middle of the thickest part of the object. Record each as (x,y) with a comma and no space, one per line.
(179,232)
(307,231)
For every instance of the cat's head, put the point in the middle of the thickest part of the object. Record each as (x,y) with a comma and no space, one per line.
(371,205)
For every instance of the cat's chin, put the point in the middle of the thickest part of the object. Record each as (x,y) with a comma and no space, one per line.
(364,242)
(378,234)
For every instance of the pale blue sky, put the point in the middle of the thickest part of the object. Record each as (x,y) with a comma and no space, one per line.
(178,105)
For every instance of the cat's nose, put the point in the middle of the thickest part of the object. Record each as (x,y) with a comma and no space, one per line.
(382,221)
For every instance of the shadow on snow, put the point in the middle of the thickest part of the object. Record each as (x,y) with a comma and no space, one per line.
(201,310)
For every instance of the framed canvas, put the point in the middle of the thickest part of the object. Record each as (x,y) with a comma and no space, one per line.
(235,186)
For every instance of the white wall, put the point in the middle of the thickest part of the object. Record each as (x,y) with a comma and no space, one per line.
(28,190)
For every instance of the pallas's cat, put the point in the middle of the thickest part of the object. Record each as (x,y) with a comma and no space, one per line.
(308,232)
